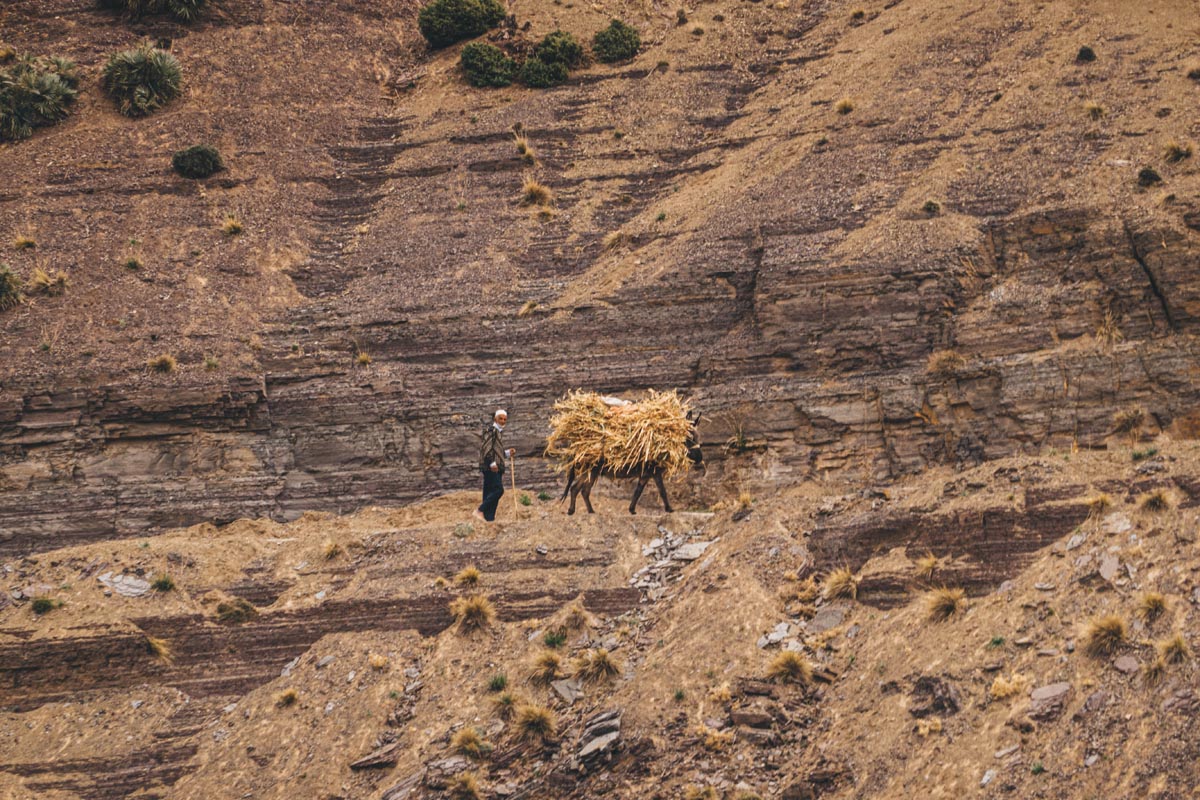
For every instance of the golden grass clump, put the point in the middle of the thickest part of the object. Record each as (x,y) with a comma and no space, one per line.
(1094,110)
(232,226)
(1129,420)
(42,282)
(378,662)
(943,603)
(1154,671)
(464,786)
(720,694)
(363,359)
(701,793)
(713,739)
(790,667)
(612,240)
(468,742)
(596,665)
(844,106)
(23,242)
(1155,502)
(165,363)
(585,429)
(468,576)
(804,591)
(160,648)
(527,309)
(1104,635)
(473,612)
(1150,607)
(535,723)
(1177,151)
(1099,504)
(1002,688)
(287,697)
(1174,650)
(534,193)
(576,618)
(505,705)
(841,583)
(926,566)
(547,667)
(331,550)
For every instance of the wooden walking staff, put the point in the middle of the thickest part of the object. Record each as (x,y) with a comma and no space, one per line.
(512,470)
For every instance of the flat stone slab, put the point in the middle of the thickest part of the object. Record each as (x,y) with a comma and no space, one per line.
(1126,664)
(826,619)
(1047,702)
(125,585)
(1109,567)
(690,551)
(569,690)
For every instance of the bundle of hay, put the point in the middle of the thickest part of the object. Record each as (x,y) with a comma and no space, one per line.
(587,427)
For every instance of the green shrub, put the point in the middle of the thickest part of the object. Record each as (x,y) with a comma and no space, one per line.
(182,10)
(35,92)
(163,583)
(617,42)
(560,47)
(142,79)
(197,161)
(10,288)
(44,605)
(537,74)
(486,65)
(444,22)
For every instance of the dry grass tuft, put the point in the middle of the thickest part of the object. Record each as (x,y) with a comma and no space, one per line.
(945,363)
(928,727)
(1150,607)
(472,613)
(701,793)
(378,662)
(288,697)
(943,603)
(744,500)
(577,618)
(926,566)
(527,309)
(534,193)
(523,147)
(468,576)
(1104,635)
(165,363)
(363,359)
(23,242)
(1094,110)
(1154,672)
(790,667)
(468,742)
(547,667)
(613,240)
(160,648)
(841,583)
(1099,504)
(596,665)
(1155,502)
(804,591)
(1174,650)
(331,550)
(1177,151)
(464,786)
(1129,420)
(535,723)
(714,740)
(505,705)
(1002,688)
(720,694)
(43,282)
(232,226)
(844,106)
(237,611)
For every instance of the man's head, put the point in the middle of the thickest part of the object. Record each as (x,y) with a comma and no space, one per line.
(500,417)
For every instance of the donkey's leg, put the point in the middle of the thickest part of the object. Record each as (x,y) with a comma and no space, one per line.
(574,493)
(662,492)
(637,493)
(587,489)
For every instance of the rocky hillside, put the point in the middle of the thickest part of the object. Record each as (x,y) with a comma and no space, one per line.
(869,238)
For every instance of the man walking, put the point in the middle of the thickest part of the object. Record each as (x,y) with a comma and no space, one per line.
(491,463)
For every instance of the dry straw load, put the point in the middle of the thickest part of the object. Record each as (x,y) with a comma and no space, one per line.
(587,428)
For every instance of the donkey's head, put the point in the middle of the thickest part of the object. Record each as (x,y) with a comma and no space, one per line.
(693,441)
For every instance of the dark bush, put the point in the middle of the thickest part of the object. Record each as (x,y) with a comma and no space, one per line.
(35,92)
(444,22)
(617,42)
(560,47)
(10,288)
(197,161)
(1148,176)
(537,74)
(1085,54)
(142,80)
(487,65)
(182,10)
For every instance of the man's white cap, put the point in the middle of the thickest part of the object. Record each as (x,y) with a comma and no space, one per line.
(499,413)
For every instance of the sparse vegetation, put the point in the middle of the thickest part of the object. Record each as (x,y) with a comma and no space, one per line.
(472,613)
(487,66)
(1174,650)
(534,193)
(469,743)
(231,226)
(844,106)
(23,242)
(142,79)
(363,358)
(790,667)
(288,697)
(547,667)
(464,786)
(468,576)
(1099,505)
(181,10)
(43,605)
(841,582)
(617,42)
(926,566)
(444,22)
(463,529)
(330,550)
(236,611)
(701,793)
(197,161)
(159,648)
(943,603)
(10,288)
(133,264)
(34,93)
(524,499)
(596,665)
(576,617)
(1142,455)
(1002,688)
(932,208)
(1154,671)
(945,363)
(165,363)
(535,723)
(1103,635)
(1094,110)
(1085,54)
(498,682)
(505,705)
(1175,152)
(42,282)
(163,583)
(554,639)
(1155,502)
(1150,607)
(544,496)
(1148,176)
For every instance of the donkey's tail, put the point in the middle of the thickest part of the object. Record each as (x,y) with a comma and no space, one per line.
(570,483)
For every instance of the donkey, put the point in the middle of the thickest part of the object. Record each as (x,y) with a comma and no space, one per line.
(643,473)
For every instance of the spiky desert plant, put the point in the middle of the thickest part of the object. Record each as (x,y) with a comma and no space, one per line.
(720,694)
(926,566)
(841,582)
(535,193)
(527,309)
(1103,635)
(165,363)
(43,282)
(35,92)
(596,665)
(790,667)
(160,648)
(464,786)
(1154,671)
(142,79)
(547,667)
(506,705)
(1156,501)
(1150,607)
(535,723)
(10,288)
(468,742)
(1099,504)
(1174,650)
(197,161)
(472,613)
(944,602)
(468,576)
(1176,151)
(231,226)
(804,591)
(288,697)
